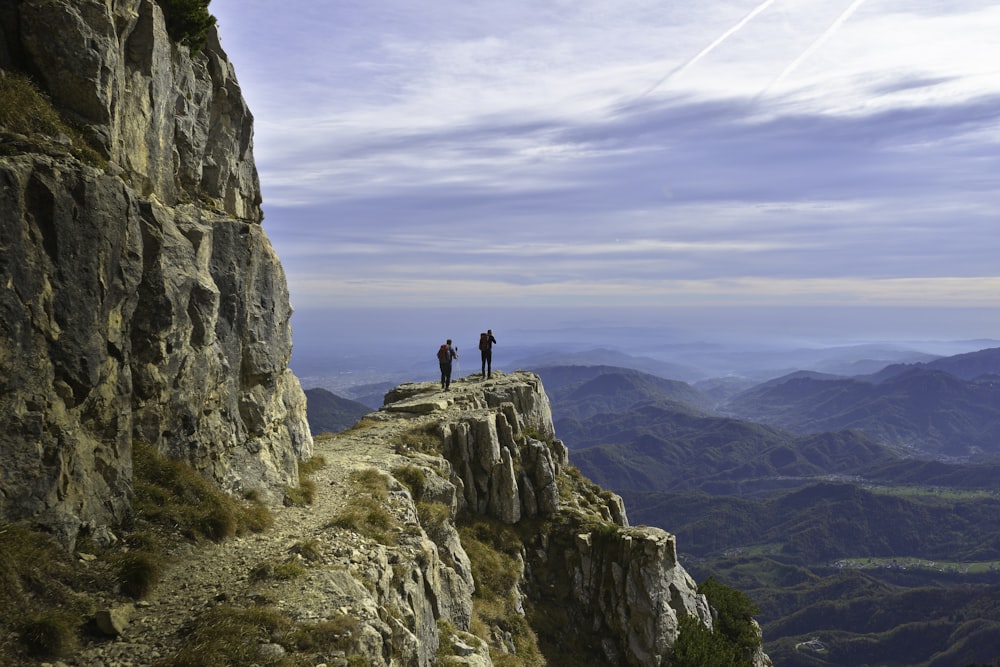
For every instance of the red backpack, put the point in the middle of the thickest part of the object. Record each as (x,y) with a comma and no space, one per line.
(484,341)
(443,354)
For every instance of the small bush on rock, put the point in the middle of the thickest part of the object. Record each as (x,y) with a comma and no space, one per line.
(731,643)
(188,22)
(414,478)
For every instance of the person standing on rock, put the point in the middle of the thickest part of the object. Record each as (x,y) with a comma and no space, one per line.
(486,343)
(445,354)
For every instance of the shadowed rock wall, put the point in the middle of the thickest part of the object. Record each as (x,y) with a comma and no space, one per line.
(141,299)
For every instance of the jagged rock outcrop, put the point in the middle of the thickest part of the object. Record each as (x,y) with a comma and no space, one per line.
(141,299)
(580,562)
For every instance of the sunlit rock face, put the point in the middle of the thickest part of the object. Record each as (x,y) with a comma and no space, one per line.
(141,298)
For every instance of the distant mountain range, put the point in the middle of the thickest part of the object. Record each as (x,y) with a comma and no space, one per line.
(946,408)
(329,413)
(859,512)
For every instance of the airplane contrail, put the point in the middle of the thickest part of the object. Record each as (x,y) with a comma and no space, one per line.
(819,41)
(711,47)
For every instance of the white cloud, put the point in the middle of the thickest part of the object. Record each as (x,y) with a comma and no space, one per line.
(624,151)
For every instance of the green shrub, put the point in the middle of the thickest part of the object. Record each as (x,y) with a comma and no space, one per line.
(732,641)
(735,614)
(414,478)
(697,646)
(188,22)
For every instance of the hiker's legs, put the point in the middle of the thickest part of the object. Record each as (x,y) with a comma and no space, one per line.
(483,355)
(444,375)
(488,354)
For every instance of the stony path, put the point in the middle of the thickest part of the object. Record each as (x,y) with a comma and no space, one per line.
(205,575)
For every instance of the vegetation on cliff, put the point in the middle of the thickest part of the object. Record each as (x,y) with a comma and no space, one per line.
(33,124)
(48,595)
(188,21)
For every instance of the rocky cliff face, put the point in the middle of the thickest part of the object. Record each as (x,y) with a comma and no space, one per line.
(616,589)
(141,299)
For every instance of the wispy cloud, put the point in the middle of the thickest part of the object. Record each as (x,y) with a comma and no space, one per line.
(639,151)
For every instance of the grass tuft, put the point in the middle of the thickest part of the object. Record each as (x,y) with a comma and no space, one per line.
(301,495)
(279,570)
(25,110)
(227,636)
(139,572)
(305,492)
(426,439)
(433,516)
(365,512)
(44,594)
(493,548)
(309,549)
(171,493)
(332,634)
(51,633)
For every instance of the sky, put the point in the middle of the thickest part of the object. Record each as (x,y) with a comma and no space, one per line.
(835,163)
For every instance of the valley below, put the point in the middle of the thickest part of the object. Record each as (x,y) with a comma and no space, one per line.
(861,513)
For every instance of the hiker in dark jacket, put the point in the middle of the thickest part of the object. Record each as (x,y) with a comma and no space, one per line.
(445,355)
(486,342)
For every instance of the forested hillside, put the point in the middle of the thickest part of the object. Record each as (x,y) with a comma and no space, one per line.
(856,551)
(926,411)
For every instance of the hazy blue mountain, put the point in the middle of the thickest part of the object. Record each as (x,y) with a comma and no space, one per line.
(372,395)
(930,412)
(329,413)
(658,447)
(968,366)
(776,513)
(577,392)
(606,357)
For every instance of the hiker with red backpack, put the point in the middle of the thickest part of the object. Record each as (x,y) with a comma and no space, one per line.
(445,354)
(486,343)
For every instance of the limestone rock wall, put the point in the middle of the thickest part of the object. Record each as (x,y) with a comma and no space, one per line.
(581,563)
(141,299)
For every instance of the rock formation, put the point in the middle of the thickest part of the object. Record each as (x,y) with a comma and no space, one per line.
(141,298)
(580,562)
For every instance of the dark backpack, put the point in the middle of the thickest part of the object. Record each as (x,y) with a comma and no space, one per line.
(484,341)
(443,353)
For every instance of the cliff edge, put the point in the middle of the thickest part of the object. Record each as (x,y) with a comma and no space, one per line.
(446,528)
(141,298)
